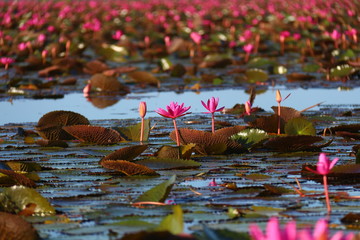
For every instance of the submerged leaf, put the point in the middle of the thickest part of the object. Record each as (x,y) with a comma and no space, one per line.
(132,133)
(168,163)
(50,125)
(300,126)
(128,168)
(13,227)
(94,134)
(16,198)
(158,193)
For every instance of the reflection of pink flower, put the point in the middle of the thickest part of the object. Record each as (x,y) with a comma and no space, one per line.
(196,37)
(212,183)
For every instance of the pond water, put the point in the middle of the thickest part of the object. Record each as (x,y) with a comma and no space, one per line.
(31,110)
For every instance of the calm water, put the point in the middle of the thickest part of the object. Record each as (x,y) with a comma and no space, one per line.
(29,110)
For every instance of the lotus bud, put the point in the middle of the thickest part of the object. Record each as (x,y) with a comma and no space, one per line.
(142,109)
(278,96)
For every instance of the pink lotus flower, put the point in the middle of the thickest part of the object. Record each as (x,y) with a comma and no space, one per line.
(22,46)
(142,113)
(248,108)
(248,48)
(117,35)
(211,106)
(324,165)
(6,61)
(196,37)
(297,36)
(174,110)
(335,35)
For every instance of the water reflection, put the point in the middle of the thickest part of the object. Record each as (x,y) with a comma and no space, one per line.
(122,107)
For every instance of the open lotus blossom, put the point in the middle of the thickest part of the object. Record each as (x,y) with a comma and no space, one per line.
(196,37)
(117,35)
(323,167)
(289,232)
(6,61)
(211,106)
(248,48)
(174,110)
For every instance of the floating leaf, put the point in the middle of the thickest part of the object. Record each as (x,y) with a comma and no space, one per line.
(173,152)
(126,153)
(300,126)
(168,163)
(16,198)
(257,177)
(219,234)
(94,67)
(113,52)
(24,166)
(249,137)
(165,235)
(132,133)
(311,67)
(165,64)
(216,61)
(52,143)
(351,219)
(173,223)
(50,125)
(299,77)
(341,70)
(144,77)
(178,70)
(293,143)
(128,168)
(287,113)
(259,62)
(94,134)
(256,75)
(18,178)
(158,193)
(340,174)
(103,83)
(280,69)
(13,227)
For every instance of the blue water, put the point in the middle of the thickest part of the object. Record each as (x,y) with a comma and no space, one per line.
(30,110)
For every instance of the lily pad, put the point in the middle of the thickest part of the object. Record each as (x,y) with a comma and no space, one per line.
(158,193)
(300,126)
(254,75)
(168,163)
(128,168)
(341,70)
(173,223)
(132,132)
(249,137)
(16,198)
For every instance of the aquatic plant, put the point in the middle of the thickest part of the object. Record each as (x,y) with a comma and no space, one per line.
(211,106)
(142,113)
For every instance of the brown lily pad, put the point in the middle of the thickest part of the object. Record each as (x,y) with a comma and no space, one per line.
(103,83)
(52,143)
(209,143)
(15,227)
(128,168)
(50,125)
(94,134)
(299,77)
(126,153)
(19,179)
(94,67)
(293,143)
(143,77)
(351,128)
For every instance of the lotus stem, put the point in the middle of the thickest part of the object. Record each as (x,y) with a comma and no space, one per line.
(212,122)
(176,133)
(142,129)
(279,114)
(326,191)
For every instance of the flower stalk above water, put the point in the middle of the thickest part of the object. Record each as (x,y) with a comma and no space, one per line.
(279,100)
(323,167)
(174,110)
(142,113)
(211,106)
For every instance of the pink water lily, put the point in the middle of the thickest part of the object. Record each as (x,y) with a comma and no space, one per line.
(196,37)
(142,113)
(211,106)
(174,110)
(6,61)
(323,167)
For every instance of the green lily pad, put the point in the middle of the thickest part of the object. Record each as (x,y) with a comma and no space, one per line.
(311,67)
(165,64)
(256,75)
(173,223)
(341,70)
(16,198)
(132,132)
(113,52)
(158,193)
(259,62)
(300,126)
(249,137)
